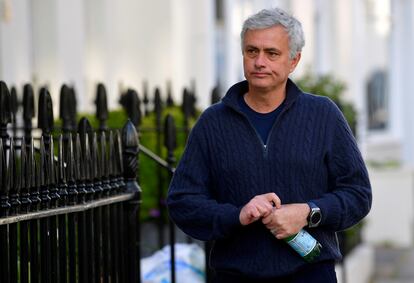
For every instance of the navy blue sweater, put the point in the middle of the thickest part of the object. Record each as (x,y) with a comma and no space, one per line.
(311,155)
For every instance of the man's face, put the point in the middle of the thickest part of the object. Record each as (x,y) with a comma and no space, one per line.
(266,59)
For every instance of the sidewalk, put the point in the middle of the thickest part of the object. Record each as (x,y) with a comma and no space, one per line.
(394,265)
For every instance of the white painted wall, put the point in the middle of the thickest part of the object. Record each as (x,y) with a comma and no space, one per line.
(58,46)
(304,11)
(114,47)
(121,43)
(15,38)
(324,41)
(391,220)
(70,53)
(402,83)
(193,48)
(44,35)
(170,41)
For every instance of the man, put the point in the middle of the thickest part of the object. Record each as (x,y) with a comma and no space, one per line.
(266,162)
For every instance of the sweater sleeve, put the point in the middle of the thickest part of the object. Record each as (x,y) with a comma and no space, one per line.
(189,199)
(350,197)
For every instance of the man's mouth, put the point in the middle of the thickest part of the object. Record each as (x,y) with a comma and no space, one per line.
(260,75)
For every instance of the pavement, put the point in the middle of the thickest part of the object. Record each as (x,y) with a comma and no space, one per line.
(394,265)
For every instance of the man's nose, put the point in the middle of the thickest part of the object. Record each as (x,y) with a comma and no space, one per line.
(259,60)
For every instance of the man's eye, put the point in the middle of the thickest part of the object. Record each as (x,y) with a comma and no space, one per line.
(251,51)
(273,55)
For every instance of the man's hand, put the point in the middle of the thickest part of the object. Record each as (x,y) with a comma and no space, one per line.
(288,220)
(258,207)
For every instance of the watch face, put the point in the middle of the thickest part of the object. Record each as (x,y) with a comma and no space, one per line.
(315,217)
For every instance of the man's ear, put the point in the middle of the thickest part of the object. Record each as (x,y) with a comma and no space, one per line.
(294,62)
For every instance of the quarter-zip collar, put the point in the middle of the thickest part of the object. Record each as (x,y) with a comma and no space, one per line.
(233,94)
(231,97)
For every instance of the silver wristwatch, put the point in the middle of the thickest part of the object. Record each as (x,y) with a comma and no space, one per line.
(315,215)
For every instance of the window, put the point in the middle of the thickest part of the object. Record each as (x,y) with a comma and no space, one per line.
(377,101)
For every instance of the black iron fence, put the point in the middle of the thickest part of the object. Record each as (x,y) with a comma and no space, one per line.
(69,202)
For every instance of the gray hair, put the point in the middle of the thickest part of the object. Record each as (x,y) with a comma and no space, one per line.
(272,17)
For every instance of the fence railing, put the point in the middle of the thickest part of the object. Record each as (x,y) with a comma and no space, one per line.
(69,204)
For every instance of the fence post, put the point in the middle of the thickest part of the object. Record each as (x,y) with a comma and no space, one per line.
(73,106)
(215,95)
(63,193)
(45,122)
(112,181)
(100,235)
(118,161)
(12,180)
(170,143)
(73,171)
(160,189)
(170,100)
(47,191)
(186,109)
(61,173)
(132,105)
(35,206)
(4,211)
(193,101)
(130,151)
(4,189)
(5,118)
(85,191)
(28,110)
(24,180)
(5,113)
(14,187)
(145,99)
(45,115)
(25,206)
(65,109)
(101,107)
(14,105)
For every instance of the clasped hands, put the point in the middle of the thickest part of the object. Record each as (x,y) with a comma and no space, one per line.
(281,220)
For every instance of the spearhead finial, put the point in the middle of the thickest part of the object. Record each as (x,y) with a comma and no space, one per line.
(14,103)
(215,95)
(64,108)
(5,109)
(45,116)
(130,149)
(170,141)
(101,106)
(157,101)
(4,189)
(28,103)
(3,169)
(170,100)
(132,104)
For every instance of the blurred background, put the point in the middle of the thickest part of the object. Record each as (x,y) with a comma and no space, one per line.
(364,45)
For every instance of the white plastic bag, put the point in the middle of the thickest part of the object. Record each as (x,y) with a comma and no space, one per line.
(189,265)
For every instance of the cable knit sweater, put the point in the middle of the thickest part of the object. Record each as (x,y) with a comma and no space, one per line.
(311,155)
